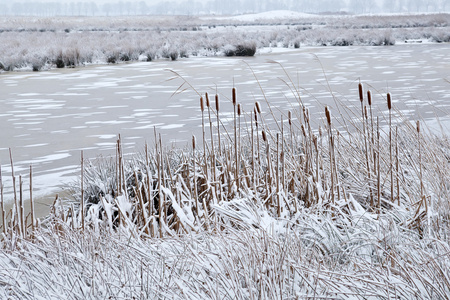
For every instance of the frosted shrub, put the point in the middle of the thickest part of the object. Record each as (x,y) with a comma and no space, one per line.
(441,37)
(229,50)
(247,49)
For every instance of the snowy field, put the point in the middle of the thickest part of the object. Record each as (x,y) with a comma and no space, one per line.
(325,175)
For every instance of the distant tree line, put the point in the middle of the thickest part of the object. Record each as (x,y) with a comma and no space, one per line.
(220,7)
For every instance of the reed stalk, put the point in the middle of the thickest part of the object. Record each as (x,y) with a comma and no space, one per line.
(82,191)
(277,174)
(161,206)
(397,166)
(213,150)
(202,108)
(366,150)
(391,171)
(236,143)
(15,216)
(218,122)
(2,204)
(197,206)
(378,166)
(372,140)
(422,196)
(21,209)
(33,220)
(332,171)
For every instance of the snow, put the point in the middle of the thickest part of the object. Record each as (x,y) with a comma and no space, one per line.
(269,15)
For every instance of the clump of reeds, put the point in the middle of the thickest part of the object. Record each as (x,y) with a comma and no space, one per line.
(303,191)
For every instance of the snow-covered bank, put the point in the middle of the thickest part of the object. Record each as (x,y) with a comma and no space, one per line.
(36,44)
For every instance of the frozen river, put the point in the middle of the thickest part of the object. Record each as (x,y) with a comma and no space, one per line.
(47,118)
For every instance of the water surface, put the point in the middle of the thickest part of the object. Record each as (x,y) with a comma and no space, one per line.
(47,118)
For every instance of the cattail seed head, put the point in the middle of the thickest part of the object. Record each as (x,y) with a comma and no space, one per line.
(290,118)
(360,88)
(239,109)
(202,106)
(264,137)
(365,112)
(207,99)
(258,108)
(234,96)
(389,101)
(193,142)
(217,102)
(369,97)
(303,131)
(418,126)
(327,113)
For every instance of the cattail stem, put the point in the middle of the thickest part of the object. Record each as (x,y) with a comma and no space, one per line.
(21,209)
(397,166)
(389,103)
(33,221)
(372,140)
(218,123)
(82,191)
(2,204)
(420,160)
(236,153)
(378,165)
(197,205)
(202,107)
(366,150)
(162,201)
(330,134)
(16,206)
(213,152)
(277,174)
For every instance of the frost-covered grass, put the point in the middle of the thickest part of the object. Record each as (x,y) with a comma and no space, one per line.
(354,205)
(41,43)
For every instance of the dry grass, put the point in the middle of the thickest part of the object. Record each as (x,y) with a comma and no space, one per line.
(256,211)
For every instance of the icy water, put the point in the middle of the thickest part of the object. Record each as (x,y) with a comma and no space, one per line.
(47,118)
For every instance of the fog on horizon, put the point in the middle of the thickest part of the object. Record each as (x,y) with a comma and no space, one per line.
(215,7)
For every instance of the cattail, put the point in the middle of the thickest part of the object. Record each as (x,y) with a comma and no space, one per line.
(239,109)
(418,126)
(365,113)
(360,88)
(234,96)
(258,107)
(389,101)
(303,130)
(327,113)
(207,100)
(217,102)
(193,142)
(256,116)
(290,118)
(369,97)
(202,106)
(218,122)
(264,137)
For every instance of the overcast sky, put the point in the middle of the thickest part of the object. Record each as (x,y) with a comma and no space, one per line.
(194,7)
